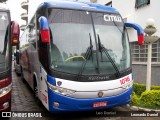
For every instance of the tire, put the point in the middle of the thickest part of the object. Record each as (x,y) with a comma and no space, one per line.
(18,74)
(36,92)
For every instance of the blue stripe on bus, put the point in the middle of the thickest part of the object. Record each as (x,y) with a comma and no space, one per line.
(79,5)
(73,104)
(51,80)
(137,27)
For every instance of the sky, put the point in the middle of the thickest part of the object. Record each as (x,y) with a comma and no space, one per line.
(16,10)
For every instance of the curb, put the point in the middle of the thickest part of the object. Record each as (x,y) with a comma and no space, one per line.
(136,108)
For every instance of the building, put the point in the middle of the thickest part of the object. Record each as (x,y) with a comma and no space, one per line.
(24,16)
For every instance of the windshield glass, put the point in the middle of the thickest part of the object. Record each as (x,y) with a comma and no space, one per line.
(4,57)
(72,35)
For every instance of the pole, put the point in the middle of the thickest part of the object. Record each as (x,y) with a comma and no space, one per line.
(148,81)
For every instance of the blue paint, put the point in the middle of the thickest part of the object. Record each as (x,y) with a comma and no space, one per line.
(79,5)
(136,27)
(43,23)
(51,80)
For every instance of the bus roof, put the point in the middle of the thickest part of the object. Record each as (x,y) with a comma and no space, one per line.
(78,5)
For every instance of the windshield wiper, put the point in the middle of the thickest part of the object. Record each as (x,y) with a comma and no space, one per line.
(101,49)
(87,56)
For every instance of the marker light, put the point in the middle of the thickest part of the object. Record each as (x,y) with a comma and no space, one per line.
(15,31)
(141,39)
(55,104)
(61,90)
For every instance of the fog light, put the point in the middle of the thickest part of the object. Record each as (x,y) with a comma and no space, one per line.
(55,104)
(5,105)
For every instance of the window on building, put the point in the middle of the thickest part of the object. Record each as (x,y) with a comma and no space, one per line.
(139,53)
(140,3)
(109,4)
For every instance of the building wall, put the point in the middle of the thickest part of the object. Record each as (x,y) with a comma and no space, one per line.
(140,72)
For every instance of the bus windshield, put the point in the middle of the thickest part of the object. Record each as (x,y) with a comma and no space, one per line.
(4,57)
(77,37)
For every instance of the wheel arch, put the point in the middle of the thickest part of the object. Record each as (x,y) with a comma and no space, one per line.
(35,79)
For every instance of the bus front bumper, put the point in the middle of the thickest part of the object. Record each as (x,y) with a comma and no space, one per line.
(62,103)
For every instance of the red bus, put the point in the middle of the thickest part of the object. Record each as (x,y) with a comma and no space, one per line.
(9,36)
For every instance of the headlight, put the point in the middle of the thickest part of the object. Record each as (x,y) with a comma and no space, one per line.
(61,90)
(5,90)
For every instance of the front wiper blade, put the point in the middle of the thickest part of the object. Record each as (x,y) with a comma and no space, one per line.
(102,48)
(87,56)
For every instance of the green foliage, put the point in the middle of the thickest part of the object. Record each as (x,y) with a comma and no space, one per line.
(135,99)
(150,99)
(140,88)
(143,98)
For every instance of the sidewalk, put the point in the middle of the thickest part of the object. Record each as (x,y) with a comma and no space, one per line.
(136,108)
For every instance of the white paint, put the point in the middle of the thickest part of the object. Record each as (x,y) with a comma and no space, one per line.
(112,18)
(43,89)
(92,86)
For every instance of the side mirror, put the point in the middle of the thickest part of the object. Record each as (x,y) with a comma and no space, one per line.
(44,29)
(15,31)
(140,32)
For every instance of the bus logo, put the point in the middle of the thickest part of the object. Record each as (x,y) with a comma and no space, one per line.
(98,78)
(100,94)
(59,83)
(125,80)
(112,18)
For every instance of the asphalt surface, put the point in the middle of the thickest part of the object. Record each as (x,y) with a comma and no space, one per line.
(24,105)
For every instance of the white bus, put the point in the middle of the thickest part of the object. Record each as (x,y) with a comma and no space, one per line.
(76,56)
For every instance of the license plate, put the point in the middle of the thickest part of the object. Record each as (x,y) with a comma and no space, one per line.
(99,104)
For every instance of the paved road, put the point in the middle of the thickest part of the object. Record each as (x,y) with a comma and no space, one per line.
(23,100)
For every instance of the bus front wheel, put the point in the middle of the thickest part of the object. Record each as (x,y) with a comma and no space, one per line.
(35,90)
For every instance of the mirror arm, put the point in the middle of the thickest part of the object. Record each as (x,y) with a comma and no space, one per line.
(140,31)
